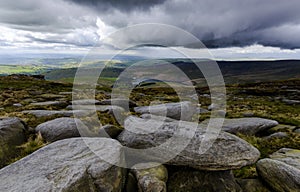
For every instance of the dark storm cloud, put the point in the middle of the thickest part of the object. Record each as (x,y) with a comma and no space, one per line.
(104,5)
(217,23)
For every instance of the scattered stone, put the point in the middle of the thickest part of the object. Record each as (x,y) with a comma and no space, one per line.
(62,128)
(180,111)
(248,114)
(252,185)
(48,113)
(297,130)
(12,134)
(110,131)
(85,102)
(151,179)
(277,135)
(48,103)
(247,126)
(51,96)
(17,105)
(226,152)
(124,103)
(279,175)
(288,156)
(65,93)
(67,165)
(194,180)
(290,101)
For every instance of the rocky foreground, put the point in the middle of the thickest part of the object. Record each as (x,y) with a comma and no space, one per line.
(139,155)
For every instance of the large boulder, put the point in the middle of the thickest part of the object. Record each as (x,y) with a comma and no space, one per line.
(61,128)
(247,126)
(67,165)
(279,175)
(12,134)
(151,179)
(180,111)
(194,180)
(226,151)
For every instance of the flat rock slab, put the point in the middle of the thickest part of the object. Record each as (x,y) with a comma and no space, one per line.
(226,151)
(67,165)
(247,126)
(62,128)
(85,102)
(101,108)
(48,113)
(48,103)
(180,111)
(279,175)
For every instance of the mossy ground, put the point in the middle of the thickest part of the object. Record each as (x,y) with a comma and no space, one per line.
(261,99)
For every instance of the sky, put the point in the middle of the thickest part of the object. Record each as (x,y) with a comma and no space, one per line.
(230,29)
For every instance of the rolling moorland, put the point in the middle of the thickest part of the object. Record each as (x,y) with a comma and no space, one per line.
(254,89)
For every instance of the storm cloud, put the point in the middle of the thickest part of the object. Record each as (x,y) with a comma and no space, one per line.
(218,24)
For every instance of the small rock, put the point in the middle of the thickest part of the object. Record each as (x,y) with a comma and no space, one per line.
(17,105)
(180,111)
(297,130)
(51,96)
(61,128)
(248,114)
(67,165)
(277,135)
(151,179)
(290,101)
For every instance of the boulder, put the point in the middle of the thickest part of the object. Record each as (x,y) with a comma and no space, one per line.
(288,156)
(194,180)
(180,111)
(226,151)
(12,134)
(61,128)
(279,175)
(247,126)
(124,103)
(252,185)
(67,165)
(151,179)
(277,135)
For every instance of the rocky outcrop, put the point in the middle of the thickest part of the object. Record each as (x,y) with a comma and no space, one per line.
(180,111)
(67,165)
(62,128)
(279,175)
(226,151)
(194,180)
(288,156)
